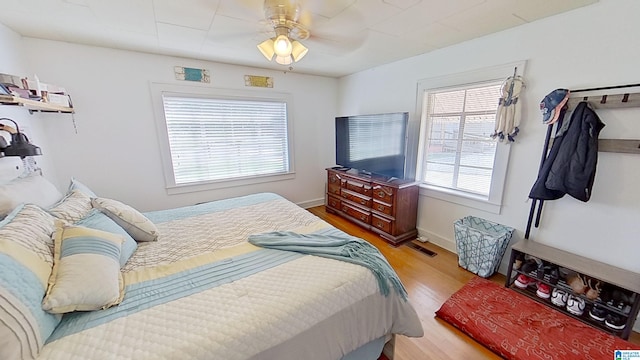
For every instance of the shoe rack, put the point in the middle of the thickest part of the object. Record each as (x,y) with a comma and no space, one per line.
(619,295)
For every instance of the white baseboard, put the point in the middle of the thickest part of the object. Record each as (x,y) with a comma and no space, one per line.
(311,203)
(439,240)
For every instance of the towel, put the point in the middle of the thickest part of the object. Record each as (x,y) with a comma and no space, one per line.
(339,247)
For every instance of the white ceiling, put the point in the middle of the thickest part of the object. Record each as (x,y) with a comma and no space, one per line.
(346,35)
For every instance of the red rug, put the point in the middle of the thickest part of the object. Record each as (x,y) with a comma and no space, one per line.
(517,327)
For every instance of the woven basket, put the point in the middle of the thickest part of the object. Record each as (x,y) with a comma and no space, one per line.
(480,244)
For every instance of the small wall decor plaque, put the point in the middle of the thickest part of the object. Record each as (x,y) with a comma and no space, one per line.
(191,74)
(258,81)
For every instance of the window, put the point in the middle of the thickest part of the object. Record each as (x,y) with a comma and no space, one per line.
(212,138)
(458,160)
(460,152)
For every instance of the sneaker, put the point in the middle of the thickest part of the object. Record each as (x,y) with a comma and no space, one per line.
(518,261)
(575,305)
(597,312)
(554,275)
(522,281)
(544,291)
(529,266)
(559,297)
(615,322)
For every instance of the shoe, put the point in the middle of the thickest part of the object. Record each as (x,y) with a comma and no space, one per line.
(554,275)
(597,312)
(615,322)
(518,261)
(529,266)
(544,291)
(522,281)
(559,297)
(575,305)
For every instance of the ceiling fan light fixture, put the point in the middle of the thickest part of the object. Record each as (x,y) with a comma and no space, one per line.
(298,51)
(267,48)
(282,46)
(284,60)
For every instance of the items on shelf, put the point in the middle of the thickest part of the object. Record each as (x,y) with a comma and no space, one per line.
(32,93)
(591,300)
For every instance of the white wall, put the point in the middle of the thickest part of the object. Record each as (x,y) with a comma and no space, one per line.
(116,152)
(14,62)
(589,47)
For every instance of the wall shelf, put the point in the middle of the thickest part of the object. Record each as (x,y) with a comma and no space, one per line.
(33,105)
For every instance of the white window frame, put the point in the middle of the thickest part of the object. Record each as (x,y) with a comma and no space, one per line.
(492,203)
(160,89)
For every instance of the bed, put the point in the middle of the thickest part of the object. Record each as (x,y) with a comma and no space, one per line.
(200,290)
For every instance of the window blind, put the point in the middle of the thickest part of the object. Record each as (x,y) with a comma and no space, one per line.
(219,139)
(460,152)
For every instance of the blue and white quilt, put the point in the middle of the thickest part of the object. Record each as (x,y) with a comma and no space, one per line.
(203,292)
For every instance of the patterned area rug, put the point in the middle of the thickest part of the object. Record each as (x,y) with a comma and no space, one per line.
(517,327)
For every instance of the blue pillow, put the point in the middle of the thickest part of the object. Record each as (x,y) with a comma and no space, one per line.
(99,221)
(77,185)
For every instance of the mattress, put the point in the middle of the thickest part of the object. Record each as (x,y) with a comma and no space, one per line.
(203,292)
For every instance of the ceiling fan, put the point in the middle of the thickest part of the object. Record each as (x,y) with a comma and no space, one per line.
(285,17)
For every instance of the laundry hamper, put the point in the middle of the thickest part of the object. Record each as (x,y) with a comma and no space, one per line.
(481,244)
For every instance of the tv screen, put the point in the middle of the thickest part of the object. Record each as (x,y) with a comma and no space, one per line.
(373,143)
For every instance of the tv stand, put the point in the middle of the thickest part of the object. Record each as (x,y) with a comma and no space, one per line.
(385,205)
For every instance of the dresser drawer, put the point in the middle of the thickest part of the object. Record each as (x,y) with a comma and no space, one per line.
(357,186)
(383,224)
(382,207)
(334,189)
(356,198)
(354,212)
(334,202)
(383,193)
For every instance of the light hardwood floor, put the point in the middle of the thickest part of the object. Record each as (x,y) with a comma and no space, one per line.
(430,281)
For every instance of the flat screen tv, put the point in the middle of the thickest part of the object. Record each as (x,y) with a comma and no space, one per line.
(373,143)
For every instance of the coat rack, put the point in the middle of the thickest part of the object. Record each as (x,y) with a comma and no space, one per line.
(618,98)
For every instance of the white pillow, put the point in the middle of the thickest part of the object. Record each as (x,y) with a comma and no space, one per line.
(137,225)
(86,270)
(33,189)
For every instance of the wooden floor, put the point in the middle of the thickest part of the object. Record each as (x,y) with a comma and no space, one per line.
(430,281)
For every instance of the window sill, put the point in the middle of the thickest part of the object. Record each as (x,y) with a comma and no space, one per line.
(460,198)
(222,184)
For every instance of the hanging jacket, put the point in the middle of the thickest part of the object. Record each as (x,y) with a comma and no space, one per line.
(574,168)
(539,190)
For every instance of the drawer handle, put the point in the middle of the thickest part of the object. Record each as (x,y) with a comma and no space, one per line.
(362,217)
(344,208)
(380,207)
(379,224)
(381,194)
(363,201)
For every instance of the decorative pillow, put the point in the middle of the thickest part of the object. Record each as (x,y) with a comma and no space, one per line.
(99,221)
(136,224)
(77,185)
(73,207)
(86,271)
(25,266)
(33,189)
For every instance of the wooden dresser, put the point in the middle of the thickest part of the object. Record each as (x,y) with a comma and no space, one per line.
(386,206)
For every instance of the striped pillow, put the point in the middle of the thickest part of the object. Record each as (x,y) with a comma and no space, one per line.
(26,261)
(86,270)
(99,221)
